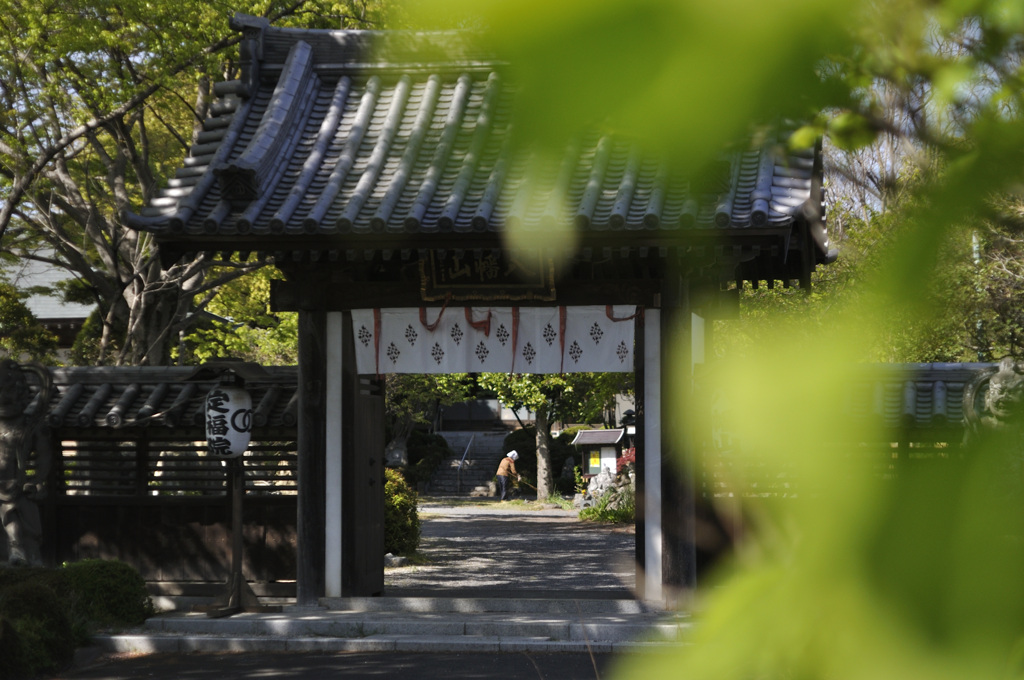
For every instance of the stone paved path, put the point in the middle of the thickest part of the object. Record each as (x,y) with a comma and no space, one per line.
(509,550)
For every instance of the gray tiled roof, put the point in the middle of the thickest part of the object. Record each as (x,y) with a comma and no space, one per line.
(114,398)
(915,396)
(598,437)
(27,274)
(352,136)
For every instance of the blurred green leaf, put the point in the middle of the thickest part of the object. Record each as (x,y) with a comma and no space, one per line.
(911,574)
(850,130)
(685,78)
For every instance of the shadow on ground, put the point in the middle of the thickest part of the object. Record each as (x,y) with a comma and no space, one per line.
(513,550)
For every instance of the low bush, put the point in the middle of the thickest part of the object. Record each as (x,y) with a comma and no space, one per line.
(12,661)
(106,593)
(617,504)
(401,519)
(39,628)
(46,613)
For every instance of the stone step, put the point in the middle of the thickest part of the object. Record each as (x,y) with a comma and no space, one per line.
(413,624)
(475,492)
(473,480)
(467,485)
(453,474)
(487,471)
(465,481)
(477,469)
(480,605)
(452,466)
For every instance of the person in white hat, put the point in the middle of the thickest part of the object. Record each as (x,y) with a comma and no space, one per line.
(506,469)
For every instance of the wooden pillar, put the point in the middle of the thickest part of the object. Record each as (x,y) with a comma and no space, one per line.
(53,547)
(311,444)
(362,477)
(678,489)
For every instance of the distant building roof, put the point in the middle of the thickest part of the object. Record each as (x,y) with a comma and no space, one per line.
(32,274)
(348,142)
(598,437)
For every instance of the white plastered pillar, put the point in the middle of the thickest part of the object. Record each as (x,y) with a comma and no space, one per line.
(653,591)
(332,466)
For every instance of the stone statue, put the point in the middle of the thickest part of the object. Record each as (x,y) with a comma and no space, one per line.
(601,481)
(994,400)
(21,434)
(994,415)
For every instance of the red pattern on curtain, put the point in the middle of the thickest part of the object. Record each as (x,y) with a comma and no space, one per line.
(423,315)
(482,326)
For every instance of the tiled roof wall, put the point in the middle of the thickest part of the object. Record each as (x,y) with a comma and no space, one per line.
(115,398)
(920,396)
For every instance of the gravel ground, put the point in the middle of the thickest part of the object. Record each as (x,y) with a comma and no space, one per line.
(517,549)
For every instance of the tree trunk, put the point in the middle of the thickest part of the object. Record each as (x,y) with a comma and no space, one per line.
(154,316)
(543,456)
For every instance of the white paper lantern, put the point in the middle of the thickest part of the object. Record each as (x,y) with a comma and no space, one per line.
(228,421)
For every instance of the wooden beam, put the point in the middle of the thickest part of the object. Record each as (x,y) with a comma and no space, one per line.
(292,296)
(677,485)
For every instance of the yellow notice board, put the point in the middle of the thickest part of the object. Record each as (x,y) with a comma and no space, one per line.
(594,463)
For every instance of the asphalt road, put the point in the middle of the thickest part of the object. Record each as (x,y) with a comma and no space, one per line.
(505,550)
(341,666)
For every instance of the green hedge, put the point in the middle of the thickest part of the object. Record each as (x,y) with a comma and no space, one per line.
(401,519)
(107,593)
(39,627)
(46,613)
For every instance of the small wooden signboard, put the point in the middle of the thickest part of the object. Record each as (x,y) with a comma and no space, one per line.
(486,275)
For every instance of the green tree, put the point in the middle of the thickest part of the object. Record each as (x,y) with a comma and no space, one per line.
(955,288)
(413,398)
(567,397)
(98,105)
(237,323)
(997,264)
(21,334)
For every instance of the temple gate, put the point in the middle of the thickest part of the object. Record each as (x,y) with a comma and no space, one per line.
(379,171)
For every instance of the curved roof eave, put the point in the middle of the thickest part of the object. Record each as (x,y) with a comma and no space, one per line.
(328,139)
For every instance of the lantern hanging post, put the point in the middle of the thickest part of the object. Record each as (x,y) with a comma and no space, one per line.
(228,424)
